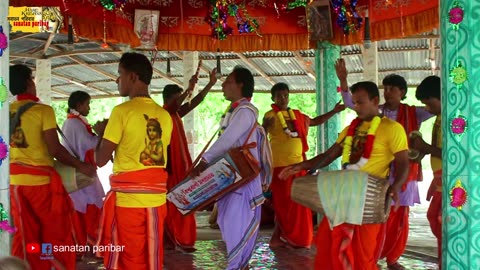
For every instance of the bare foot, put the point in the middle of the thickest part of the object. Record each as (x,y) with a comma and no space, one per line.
(395,266)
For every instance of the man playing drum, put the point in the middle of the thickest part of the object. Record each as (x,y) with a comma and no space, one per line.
(287,130)
(239,210)
(369,144)
(410,117)
(139,132)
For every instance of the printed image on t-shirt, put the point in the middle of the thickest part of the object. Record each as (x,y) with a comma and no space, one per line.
(17,139)
(152,155)
(358,146)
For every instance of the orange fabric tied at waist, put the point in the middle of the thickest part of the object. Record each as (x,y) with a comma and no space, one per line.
(145,181)
(61,202)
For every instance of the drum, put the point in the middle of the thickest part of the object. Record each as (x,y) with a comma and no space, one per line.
(228,172)
(376,207)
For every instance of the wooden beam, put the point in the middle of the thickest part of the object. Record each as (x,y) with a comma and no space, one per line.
(255,67)
(80,83)
(393,70)
(301,62)
(93,67)
(61,92)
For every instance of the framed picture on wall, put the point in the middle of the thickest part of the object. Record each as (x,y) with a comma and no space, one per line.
(146,27)
(320,26)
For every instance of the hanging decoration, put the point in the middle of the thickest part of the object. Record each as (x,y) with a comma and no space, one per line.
(283,5)
(3,41)
(3,150)
(455,15)
(219,13)
(3,92)
(458,195)
(113,4)
(4,223)
(347,16)
(458,74)
(458,126)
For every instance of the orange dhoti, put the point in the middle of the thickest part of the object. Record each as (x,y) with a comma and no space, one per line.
(396,234)
(346,247)
(85,225)
(434,213)
(42,215)
(129,237)
(293,220)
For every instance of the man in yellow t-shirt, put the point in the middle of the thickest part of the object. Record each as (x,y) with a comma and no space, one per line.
(40,205)
(350,246)
(428,92)
(287,130)
(139,132)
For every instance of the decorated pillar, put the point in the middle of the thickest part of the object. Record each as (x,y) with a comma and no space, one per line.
(5,221)
(190,63)
(43,80)
(327,96)
(460,44)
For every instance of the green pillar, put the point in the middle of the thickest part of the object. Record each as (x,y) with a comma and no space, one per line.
(327,96)
(461,156)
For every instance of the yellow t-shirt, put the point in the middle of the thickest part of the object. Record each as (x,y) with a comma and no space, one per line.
(27,144)
(436,162)
(142,130)
(389,140)
(285,149)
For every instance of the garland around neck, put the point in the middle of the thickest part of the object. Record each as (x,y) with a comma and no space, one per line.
(291,114)
(367,150)
(228,113)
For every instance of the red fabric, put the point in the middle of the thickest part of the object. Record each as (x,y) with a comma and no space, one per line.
(37,223)
(346,247)
(111,228)
(181,230)
(60,200)
(293,219)
(87,125)
(27,97)
(434,214)
(85,225)
(407,117)
(396,234)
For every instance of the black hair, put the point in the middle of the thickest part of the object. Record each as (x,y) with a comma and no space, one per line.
(398,81)
(370,87)
(244,76)
(77,98)
(19,76)
(429,88)
(169,90)
(278,87)
(139,64)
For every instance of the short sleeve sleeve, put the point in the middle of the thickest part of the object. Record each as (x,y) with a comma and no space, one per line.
(113,131)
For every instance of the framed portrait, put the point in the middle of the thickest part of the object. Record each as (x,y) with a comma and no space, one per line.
(146,27)
(320,26)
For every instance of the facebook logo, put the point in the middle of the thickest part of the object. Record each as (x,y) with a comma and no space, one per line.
(47,248)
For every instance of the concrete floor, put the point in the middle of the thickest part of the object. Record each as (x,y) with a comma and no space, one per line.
(210,254)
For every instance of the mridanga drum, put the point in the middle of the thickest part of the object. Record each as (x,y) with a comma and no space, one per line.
(376,206)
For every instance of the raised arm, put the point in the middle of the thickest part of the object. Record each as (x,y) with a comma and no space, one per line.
(189,106)
(324,117)
(342,75)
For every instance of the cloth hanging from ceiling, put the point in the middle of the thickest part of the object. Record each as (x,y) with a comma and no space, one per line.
(183,27)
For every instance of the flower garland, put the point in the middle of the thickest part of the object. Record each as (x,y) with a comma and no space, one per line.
(228,113)
(291,114)
(75,114)
(347,145)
